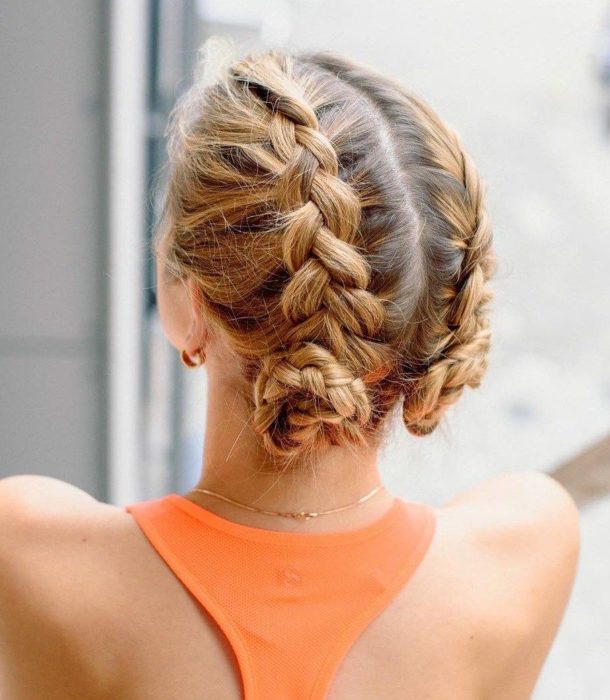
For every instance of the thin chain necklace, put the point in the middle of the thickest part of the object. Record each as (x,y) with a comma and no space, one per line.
(301,515)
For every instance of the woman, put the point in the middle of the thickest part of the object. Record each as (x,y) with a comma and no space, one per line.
(325,250)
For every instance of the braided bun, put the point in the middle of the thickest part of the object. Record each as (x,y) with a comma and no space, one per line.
(336,229)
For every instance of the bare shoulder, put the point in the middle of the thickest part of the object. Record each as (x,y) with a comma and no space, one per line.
(37,510)
(31,494)
(528,492)
(520,536)
(54,538)
(41,514)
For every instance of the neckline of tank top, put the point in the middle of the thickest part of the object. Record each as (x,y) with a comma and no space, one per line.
(250,532)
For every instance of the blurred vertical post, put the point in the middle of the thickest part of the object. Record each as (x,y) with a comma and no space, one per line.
(127,198)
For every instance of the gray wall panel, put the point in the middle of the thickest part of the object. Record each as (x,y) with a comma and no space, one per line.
(53,76)
(49,413)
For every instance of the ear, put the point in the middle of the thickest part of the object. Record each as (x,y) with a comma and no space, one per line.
(198,333)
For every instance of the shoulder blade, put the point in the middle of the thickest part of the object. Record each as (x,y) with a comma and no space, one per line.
(523,532)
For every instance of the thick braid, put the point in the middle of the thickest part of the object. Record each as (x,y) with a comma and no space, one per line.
(312,391)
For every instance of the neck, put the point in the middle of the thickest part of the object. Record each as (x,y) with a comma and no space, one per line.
(235,466)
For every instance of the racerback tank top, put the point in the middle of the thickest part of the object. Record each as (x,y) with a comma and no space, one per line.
(291,604)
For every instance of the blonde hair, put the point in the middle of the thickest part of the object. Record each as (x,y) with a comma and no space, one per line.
(336,229)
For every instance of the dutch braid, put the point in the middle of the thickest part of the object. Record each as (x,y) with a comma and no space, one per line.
(309,392)
(461,337)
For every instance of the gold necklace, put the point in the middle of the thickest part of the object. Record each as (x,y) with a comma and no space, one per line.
(301,515)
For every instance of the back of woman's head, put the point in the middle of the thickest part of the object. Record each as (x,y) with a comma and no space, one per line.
(336,229)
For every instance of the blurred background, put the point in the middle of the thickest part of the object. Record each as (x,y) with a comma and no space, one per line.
(93,394)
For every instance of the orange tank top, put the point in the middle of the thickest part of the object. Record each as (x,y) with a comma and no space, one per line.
(291,604)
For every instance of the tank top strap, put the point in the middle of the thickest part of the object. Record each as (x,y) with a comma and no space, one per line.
(291,604)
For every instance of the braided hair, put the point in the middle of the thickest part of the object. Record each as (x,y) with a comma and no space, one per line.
(336,229)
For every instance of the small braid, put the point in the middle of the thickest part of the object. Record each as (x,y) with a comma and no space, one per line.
(458,331)
(459,356)
(309,392)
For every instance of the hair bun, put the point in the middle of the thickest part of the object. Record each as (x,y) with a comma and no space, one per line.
(304,397)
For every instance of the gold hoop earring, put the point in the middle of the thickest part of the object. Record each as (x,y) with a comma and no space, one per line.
(187,360)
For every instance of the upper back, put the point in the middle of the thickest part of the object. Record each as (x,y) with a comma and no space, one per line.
(487,599)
